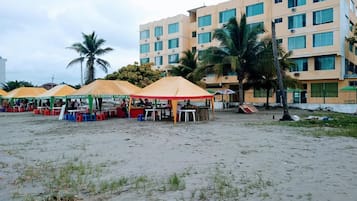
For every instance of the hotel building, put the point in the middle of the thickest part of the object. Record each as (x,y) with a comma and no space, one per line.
(314,30)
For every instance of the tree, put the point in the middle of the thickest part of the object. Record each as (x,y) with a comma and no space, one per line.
(238,47)
(187,67)
(90,49)
(11,85)
(264,74)
(140,76)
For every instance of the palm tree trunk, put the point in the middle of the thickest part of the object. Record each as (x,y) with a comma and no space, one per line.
(240,90)
(267,99)
(286,115)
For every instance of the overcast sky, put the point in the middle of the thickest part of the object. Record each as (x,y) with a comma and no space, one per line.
(34,34)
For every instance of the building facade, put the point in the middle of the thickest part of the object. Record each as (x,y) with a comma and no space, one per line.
(314,30)
(2,70)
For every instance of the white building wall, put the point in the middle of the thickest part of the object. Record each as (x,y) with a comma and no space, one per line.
(2,70)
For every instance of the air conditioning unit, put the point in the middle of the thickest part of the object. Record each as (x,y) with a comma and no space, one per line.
(293,9)
(296,74)
(202,28)
(292,30)
(157,38)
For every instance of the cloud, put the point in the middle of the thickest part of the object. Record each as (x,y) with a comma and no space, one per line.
(34,34)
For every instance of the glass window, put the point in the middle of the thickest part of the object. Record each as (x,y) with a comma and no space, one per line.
(279,41)
(315,1)
(298,42)
(144,34)
(326,62)
(297,21)
(158,46)
(255,9)
(258,25)
(204,37)
(294,3)
(204,21)
(258,93)
(173,43)
(323,16)
(278,20)
(173,58)
(158,31)
(158,60)
(324,89)
(355,50)
(224,16)
(350,47)
(144,60)
(278,1)
(194,34)
(300,65)
(173,28)
(144,48)
(323,39)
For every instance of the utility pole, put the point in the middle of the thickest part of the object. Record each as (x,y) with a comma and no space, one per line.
(286,115)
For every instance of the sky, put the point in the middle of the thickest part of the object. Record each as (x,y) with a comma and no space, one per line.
(34,35)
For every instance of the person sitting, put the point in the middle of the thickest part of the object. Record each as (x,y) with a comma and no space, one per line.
(147,103)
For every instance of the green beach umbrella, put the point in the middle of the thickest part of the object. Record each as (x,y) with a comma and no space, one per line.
(350,88)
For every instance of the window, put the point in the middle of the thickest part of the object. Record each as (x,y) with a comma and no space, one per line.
(351,26)
(261,93)
(294,3)
(297,21)
(194,34)
(255,9)
(278,20)
(257,25)
(224,16)
(144,48)
(355,50)
(158,60)
(173,58)
(326,62)
(144,34)
(193,50)
(300,65)
(350,47)
(204,21)
(324,89)
(323,16)
(173,43)
(279,41)
(173,28)
(158,46)
(278,1)
(322,39)
(158,31)
(144,60)
(315,1)
(298,42)
(204,38)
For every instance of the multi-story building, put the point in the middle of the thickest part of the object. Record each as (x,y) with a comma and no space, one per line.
(314,30)
(2,70)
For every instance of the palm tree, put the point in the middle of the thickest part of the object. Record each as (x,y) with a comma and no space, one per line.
(264,75)
(238,47)
(89,50)
(188,64)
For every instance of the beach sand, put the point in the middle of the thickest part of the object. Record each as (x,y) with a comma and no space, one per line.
(249,153)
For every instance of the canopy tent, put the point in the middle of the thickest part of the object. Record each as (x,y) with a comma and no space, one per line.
(2,93)
(25,92)
(172,88)
(103,89)
(59,91)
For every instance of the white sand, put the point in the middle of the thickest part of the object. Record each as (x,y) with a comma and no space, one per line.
(301,167)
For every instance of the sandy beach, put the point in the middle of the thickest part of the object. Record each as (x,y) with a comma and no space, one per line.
(233,157)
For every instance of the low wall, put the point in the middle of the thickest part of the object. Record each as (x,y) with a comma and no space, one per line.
(343,108)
